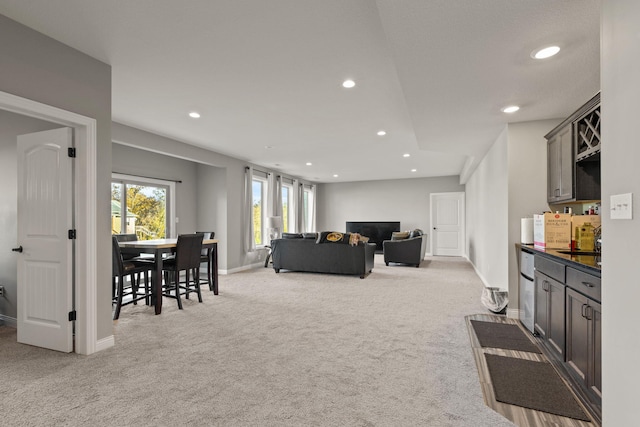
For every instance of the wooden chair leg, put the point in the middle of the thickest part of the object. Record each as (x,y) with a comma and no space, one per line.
(176,281)
(147,289)
(196,277)
(116,314)
(187,289)
(135,285)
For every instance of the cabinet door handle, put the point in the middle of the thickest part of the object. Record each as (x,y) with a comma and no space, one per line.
(557,192)
(546,288)
(589,285)
(589,312)
(584,311)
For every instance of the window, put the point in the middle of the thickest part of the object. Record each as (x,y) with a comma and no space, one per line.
(288,208)
(139,206)
(308,209)
(259,202)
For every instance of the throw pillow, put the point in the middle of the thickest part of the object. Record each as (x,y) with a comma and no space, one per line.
(399,235)
(333,237)
(415,233)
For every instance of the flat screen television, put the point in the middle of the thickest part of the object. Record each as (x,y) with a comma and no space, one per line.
(376,231)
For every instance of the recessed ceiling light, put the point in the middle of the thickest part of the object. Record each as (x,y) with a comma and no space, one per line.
(194,115)
(348,84)
(381,133)
(406,155)
(510,109)
(309,163)
(414,170)
(335,175)
(545,52)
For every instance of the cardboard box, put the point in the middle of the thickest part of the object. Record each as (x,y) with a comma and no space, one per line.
(579,221)
(552,231)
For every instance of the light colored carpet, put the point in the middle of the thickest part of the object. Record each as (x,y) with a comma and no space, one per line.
(288,349)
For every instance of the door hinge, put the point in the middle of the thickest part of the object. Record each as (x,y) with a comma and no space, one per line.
(72,234)
(71,151)
(72,316)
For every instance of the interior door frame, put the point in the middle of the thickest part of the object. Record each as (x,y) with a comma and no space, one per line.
(463,220)
(85,213)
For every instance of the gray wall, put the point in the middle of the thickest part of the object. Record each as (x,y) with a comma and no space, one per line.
(11,125)
(527,158)
(510,183)
(620,68)
(39,68)
(129,160)
(404,200)
(212,207)
(487,215)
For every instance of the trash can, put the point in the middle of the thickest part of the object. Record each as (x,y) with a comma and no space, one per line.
(495,299)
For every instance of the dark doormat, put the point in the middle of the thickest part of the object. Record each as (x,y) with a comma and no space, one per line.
(533,385)
(503,335)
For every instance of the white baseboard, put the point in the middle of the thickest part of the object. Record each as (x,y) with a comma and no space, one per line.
(8,321)
(243,268)
(105,343)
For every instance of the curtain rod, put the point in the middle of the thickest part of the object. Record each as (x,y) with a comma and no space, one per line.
(258,170)
(278,175)
(149,177)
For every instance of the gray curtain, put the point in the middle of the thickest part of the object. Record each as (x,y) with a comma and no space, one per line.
(249,241)
(298,199)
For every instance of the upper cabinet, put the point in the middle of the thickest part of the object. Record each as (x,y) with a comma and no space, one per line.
(573,156)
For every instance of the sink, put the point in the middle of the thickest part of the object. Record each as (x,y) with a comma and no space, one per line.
(584,253)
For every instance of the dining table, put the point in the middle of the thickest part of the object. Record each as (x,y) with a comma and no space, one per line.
(159,247)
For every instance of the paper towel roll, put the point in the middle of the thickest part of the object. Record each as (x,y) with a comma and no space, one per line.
(526,231)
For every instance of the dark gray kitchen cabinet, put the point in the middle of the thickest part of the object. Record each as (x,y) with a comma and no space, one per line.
(550,312)
(573,156)
(560,164)
(583,354)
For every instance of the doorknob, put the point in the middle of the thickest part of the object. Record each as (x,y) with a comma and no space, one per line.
(18,249)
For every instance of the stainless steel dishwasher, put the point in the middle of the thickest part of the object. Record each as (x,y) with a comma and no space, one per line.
(526,289)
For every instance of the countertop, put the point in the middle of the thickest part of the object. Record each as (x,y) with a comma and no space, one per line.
(588,263)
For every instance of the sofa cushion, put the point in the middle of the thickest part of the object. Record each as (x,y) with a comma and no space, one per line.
(292,235)
(312,235)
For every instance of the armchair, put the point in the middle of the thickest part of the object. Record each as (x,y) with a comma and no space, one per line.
(410,250)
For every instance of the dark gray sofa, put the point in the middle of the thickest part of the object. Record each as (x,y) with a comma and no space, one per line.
(299,254)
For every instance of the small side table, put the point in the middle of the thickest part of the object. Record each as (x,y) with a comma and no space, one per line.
(266,261)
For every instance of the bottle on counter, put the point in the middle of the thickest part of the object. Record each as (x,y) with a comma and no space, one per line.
(585,238)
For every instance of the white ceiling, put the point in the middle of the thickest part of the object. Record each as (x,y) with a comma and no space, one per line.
(433,73)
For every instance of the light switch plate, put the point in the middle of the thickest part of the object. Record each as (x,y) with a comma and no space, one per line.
(622,206)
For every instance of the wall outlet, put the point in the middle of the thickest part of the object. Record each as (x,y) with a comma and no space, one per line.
(1,291)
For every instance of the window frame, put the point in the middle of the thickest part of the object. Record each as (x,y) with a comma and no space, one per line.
(308,200)
(290,210)
(170,204)
(263,203)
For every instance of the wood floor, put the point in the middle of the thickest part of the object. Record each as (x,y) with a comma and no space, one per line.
(520,416)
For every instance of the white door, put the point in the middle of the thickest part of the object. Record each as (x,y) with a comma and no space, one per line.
(45,288)
(447,224)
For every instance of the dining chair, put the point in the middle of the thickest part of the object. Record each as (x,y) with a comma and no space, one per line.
(187,258)
(127,238)
(205,256)
(128,268)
